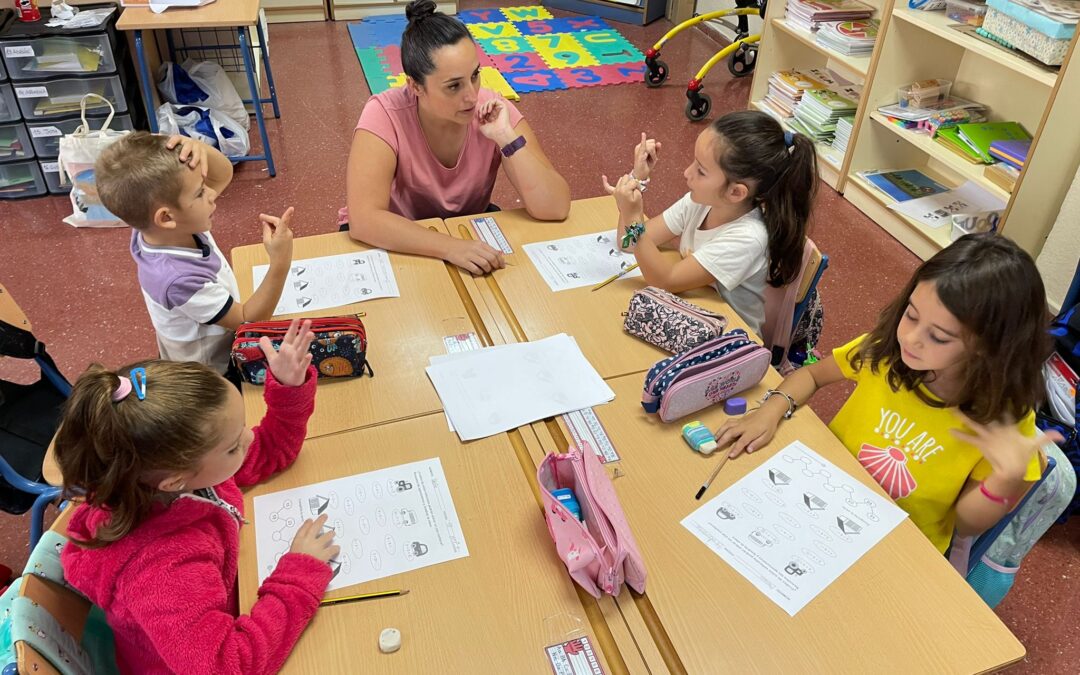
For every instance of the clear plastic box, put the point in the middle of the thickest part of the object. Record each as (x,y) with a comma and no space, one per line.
(51,56)
(15,142)
(21,179)
(50,169)
(9,107)
(46,135)
(60,98)
(923,93)
(963,11)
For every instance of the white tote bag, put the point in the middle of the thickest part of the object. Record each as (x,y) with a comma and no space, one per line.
(79,151)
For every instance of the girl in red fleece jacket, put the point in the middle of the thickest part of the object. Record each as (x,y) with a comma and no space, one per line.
(160,458)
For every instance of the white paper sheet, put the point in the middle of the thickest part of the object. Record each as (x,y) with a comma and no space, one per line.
(333,281)
(388,521)
(937,210)
(491,390)
(793,525)
(585,260)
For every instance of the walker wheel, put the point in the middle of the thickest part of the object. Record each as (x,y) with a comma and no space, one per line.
(698,106)
(656,74)
(742,62)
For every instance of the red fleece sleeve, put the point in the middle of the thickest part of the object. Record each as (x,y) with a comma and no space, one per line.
(182,604)
(280,435)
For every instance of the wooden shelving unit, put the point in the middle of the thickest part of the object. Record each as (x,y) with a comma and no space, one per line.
(914,45)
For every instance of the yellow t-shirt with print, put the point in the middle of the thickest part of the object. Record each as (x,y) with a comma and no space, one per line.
(906,446)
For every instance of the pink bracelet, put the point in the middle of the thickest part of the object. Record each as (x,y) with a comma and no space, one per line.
(993,497)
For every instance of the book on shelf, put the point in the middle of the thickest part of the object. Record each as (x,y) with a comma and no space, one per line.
(809,15)
(904,184)
(850,38)
(842,136)
(949,103)
(949,137)
(1013,153)
(979,136)
(1002,175)
(786,87)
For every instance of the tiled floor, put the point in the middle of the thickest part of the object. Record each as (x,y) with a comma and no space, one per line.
(79,288)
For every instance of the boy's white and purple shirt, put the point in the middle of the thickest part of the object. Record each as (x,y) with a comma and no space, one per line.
(187,291)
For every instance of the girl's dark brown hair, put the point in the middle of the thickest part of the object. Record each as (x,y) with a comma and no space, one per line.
(994,290)
(753,150)
(115,453)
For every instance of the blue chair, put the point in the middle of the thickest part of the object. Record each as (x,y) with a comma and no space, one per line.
(796,297)
(29,415)
(804,298)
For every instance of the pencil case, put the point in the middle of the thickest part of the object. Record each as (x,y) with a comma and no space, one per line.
(669,322)
(599,550)
(705,375)
(338,350)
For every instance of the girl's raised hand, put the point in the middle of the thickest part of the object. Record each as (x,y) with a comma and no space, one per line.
(1006,449)
(627,194)
(289,363)
(645,155)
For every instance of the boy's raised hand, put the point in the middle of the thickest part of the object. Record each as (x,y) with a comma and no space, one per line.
(290,361)
(277,237)
(192,153)
(645,155)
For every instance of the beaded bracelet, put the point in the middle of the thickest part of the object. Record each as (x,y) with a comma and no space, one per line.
(633,233)
(643,185)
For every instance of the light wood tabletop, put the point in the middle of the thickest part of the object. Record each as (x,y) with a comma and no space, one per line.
(525,308)
(900,608)
(494,611)
(402,334)
(11,313)
(219,14)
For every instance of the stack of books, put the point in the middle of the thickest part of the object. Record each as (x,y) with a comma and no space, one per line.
(850,38)
(900,186)
(972,141)
(818,111)
(786,88)
(811,14)
(1013,153)
(10,145)
(843,133)
(16,180)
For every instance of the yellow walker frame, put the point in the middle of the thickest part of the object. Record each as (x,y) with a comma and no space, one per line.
(743,53)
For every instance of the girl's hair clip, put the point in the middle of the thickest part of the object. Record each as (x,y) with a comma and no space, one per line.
(138,382)
(789,138)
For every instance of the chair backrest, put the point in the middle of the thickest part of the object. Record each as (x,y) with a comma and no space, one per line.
(781,316)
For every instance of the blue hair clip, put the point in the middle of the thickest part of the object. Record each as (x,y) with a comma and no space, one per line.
(789,139)
(138,381)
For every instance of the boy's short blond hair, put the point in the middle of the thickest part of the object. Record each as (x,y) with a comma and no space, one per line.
(136,175)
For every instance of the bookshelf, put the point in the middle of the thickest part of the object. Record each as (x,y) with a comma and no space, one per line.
(915,45)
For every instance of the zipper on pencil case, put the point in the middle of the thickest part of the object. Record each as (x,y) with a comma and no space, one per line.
(678,304)
(658,370)
(655,387)
(710,359)
(607,533)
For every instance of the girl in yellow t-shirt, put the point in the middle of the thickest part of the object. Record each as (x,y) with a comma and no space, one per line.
(942,415)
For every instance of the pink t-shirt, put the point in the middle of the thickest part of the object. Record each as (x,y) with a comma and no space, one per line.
(423,187)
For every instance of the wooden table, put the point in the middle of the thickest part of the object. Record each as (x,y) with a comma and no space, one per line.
(236,15)
(402,334)
(525,308)
(494,611)
(900,608)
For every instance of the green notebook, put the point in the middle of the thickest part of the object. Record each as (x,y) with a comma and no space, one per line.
(979,135)
(950,138)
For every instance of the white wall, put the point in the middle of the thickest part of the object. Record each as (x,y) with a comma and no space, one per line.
(1057,261)
(706,6)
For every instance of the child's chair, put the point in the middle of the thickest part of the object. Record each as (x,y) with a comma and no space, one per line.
(46,627)
(785,306)
(29,415)
(990,561)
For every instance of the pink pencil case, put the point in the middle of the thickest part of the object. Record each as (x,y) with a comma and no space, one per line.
(599,551)
(705,375)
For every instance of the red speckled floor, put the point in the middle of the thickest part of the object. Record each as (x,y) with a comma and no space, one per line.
(79,288)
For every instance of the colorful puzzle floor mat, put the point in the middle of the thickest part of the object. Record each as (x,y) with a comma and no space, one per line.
(521,50)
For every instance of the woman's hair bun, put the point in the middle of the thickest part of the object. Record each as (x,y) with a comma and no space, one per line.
(419,9)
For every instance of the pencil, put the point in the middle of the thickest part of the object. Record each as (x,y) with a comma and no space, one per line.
(613,278)
(715,473)
(365,596)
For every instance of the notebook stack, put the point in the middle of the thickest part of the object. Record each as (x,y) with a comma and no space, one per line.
(786,89)
(818,112)
(850,38)
(809,15)
(843,133)
(973,141)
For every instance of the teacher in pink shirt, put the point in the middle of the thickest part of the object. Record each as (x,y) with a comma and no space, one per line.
(432,149)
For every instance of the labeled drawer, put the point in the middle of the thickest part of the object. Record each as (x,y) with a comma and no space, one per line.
(61,98)
(21,179)
(9,107)
(50,169)
(45,136)
(15,142)
(58,56)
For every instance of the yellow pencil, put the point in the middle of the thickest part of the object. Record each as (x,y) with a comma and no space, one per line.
(613,278)
(365,596)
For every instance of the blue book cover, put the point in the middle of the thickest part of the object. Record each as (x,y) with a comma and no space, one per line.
(904,185)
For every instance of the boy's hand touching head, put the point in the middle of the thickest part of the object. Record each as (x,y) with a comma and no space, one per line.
(192,153)
(277,237)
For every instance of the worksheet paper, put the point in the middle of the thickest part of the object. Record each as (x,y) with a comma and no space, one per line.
(333,281)
(937,210)
(491,390)
(388,521)
(585,260)
(793,525)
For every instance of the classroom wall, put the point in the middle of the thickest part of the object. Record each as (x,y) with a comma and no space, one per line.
(706,6)
(1057,261)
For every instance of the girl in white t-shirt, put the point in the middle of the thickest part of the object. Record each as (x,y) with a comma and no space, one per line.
(742,224)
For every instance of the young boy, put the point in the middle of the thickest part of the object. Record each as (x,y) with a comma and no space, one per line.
(165,189)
